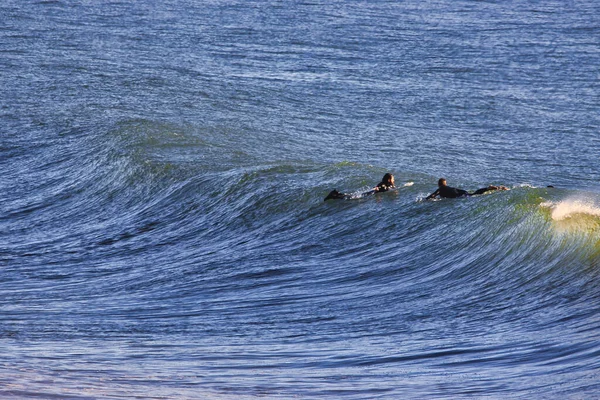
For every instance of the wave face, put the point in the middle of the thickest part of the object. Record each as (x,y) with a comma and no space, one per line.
(163,230)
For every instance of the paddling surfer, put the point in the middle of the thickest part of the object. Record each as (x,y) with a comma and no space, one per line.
(387,183)
(449,192)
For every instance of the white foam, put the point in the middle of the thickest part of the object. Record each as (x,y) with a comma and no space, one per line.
(568,208)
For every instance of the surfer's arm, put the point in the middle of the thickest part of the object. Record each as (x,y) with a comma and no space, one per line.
(432,195)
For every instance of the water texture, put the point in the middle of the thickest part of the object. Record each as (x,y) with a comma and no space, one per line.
(163,232)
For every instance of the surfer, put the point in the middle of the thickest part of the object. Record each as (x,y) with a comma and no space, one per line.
(387,183)
(449,192)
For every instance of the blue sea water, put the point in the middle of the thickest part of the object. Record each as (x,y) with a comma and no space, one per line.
(163,232)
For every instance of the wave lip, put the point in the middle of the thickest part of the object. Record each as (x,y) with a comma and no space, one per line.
(571,207)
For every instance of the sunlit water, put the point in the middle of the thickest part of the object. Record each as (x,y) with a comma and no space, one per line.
(163,232)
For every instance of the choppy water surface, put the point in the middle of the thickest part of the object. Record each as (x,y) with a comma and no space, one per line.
(162,226)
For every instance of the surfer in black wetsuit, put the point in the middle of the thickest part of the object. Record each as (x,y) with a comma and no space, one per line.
(448,192)
(387,183)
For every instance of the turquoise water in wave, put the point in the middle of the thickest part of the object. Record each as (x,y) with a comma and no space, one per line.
(162,226)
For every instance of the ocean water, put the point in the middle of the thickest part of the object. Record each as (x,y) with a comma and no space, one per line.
(163,233)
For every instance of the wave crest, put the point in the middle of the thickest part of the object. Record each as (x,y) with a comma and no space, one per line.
(571,208)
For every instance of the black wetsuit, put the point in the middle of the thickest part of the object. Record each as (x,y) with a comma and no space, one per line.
(381,187)
(482,191)
(452,193)
(448,192)
(335,195)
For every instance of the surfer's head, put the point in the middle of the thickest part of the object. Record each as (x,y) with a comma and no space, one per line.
(442,182)
(388,179)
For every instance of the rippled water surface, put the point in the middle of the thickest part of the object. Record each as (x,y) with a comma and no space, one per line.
(163,232)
